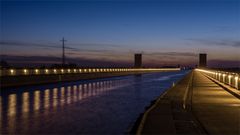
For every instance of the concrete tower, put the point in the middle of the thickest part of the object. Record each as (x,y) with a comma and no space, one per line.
(202,60)
(138,60)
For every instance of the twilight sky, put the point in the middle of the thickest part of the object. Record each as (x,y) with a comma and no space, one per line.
(168,32)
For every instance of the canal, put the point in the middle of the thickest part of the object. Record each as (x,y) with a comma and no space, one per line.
(99,106)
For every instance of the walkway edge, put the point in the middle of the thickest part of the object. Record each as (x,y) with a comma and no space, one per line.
(141,124)
(139,129)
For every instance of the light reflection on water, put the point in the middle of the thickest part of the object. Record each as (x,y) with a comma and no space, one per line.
(11,113)
(30,110)
(25,102)
(36,100)
(48,100)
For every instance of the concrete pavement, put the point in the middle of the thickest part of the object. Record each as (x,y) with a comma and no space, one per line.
(215,108)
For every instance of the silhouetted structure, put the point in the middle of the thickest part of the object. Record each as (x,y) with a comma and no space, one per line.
(202,60)
(63,51)
(138,60)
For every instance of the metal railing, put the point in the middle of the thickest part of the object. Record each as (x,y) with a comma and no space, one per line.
(228,78)
(18,72)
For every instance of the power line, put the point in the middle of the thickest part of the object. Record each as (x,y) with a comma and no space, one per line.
(63,51)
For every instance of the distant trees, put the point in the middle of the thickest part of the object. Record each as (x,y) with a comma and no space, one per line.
(4,64)
(70,65)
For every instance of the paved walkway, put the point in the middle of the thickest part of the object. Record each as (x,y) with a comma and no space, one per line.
(196,105)
(215,108)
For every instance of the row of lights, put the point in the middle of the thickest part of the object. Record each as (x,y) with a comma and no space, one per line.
(55,71)
(219,75)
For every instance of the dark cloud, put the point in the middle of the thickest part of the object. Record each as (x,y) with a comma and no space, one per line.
(54,46)
(99,53)
(222,42)
(96,44)
(223,63)
(174,54)
(51,44)
(32,61)
(15,43)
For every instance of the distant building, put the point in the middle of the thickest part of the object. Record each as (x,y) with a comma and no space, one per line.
(138,60)
(202,60)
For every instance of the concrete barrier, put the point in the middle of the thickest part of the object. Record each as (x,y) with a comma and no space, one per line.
(228,78)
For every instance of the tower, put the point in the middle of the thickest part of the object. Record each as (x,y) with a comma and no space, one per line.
(202,60)
(138,60)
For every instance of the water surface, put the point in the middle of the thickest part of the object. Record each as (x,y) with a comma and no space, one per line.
(107,106)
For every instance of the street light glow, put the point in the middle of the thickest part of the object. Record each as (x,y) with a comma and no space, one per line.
(46,70)
(11,71)
(55,71)
(25,71)
(36,70)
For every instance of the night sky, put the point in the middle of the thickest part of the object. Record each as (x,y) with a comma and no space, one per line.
(102,33)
